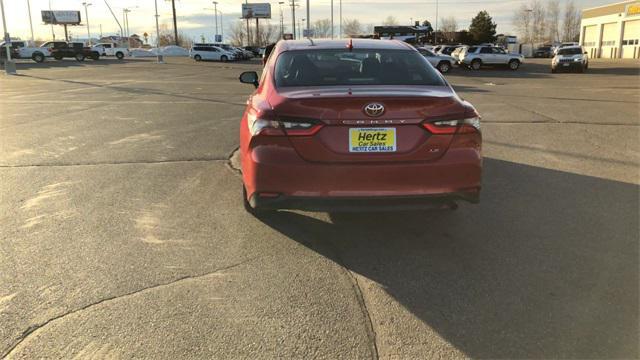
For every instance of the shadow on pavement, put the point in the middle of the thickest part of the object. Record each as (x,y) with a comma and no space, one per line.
(545,267)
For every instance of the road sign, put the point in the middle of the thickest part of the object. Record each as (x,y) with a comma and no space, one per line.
(260,11)
(218,38)
(307,33)
(62,17)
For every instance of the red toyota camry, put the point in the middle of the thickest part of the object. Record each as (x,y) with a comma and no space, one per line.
(356,125)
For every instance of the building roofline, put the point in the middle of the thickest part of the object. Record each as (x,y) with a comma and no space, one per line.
(608,5)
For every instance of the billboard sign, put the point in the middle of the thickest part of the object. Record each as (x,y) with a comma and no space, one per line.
(307,33)
(61,17)
(259,11)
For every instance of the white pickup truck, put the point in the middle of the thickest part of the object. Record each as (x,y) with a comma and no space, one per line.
(24,50)
(111,49)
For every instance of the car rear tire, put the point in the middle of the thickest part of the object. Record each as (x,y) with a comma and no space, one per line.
(37,57)
(57,57)
(120,55)
(224,58)
(476,64)
(197,58)
(514,65)
(251,210)
(95,56)
(79,57)
(444,67)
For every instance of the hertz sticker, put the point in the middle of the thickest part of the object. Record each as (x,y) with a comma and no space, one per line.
(372,139)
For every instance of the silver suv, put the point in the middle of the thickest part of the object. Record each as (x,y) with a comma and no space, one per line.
(477,56)
(444,63)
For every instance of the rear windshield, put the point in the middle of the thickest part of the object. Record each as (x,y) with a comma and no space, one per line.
(329,67)
(570,51)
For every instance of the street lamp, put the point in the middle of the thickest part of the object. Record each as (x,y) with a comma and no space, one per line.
(281,19)
(215,15)
(160,61)
(86,16)
(332,19)
(30,23)
(9,65)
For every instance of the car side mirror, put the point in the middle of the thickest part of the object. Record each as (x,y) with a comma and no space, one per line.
(249,77)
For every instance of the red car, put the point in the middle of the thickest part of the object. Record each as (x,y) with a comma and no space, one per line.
(356,125)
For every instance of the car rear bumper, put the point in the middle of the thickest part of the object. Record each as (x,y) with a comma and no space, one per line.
(366,203)
(277,178)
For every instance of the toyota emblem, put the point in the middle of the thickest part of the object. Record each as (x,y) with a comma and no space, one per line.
(374,109)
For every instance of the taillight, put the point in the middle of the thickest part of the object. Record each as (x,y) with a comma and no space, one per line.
(267,127)
(446,127)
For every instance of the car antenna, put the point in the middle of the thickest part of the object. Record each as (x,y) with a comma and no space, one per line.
(350,45)
(311,41)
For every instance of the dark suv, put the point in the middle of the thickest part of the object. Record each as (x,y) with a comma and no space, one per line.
(63,49)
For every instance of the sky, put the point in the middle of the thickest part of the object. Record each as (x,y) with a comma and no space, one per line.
(195,17)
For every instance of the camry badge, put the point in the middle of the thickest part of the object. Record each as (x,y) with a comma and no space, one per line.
(374,109)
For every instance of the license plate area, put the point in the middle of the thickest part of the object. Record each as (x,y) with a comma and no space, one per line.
(372,140)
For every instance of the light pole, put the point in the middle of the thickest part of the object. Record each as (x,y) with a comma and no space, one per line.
(30,23)
(293,18)
(308,18)
(341,19)
(281,19)
(435,32)
(9,65)
(215,15)
(86,16)
(158,35)
(300,30)
(53,33)
(332,19)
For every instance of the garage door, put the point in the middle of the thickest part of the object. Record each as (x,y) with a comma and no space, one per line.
(609,38)
(590,39)
(631,37)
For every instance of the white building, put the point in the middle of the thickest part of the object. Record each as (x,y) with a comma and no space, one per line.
(612,31)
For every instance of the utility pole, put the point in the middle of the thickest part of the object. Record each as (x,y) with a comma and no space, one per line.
(293,17)
(86,17)
(100,31)
(340,19)
(30,23)
(281,19)
(332,19)
(246,2)
(308,18)
(158,35)
(435,33)
(116,19)
(9,65)
(215,15)
(175,21)
(53,33)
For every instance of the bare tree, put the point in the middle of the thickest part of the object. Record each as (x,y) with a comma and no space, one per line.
(351,27)
(390,21)
(571,23)
(238,33)
(553,20)
(448,27)
(522,23)
(538,21)
(322,28)
(167,37)
(269,33)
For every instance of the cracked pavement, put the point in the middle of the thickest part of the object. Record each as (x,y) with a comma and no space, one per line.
(122,232)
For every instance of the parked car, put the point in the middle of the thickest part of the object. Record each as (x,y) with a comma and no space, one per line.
(570,58)
(386,133)
(543,52)
(111,49)
(444,63)
(477,56)
(447,49)
(201,52)
(25,50)
(77,50)
(455,54)
(254,49)
(246,54)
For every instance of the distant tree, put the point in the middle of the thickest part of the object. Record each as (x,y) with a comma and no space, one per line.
(238,33)
(449,27)
(522,23)
(538,21)
(322,28)
(571,23)
(482,28)
(553,20)
(167,37)
(351,27)
(390,21)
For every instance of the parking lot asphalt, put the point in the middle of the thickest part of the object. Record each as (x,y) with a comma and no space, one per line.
(122,232)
